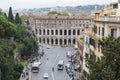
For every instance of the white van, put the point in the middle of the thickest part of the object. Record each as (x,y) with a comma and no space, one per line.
(35,67)
(60,65)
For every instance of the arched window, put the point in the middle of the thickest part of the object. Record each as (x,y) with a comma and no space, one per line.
(43,31)
(60,32)
(39,31)
(47,40)
(56,41)
(78,32)
(74,32)
(60,41)
(43,40)
(48,32)
(52,41)
(69,32)
(65,32)
(56,32)
(69,41)
(74,41)
(65,41)
(52,33)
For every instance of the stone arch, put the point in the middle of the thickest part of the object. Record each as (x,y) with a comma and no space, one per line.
(47,40)
(43,40)
(56,32)
(69,41)
(78,32)
(74,31)
(65,32)
(69,32)
(60,31)
(48,32)
(52,41)
(65,41)
(43,31)
(39,31)
(52,32)
(74,41)
(60,41)
(56,41)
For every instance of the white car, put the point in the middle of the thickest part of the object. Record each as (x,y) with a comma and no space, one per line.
(45,76)
(69,54)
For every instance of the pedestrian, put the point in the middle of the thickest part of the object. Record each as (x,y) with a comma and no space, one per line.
(47,58)
(52,68)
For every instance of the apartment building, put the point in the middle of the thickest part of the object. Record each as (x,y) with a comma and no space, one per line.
(106,22)
(59,30)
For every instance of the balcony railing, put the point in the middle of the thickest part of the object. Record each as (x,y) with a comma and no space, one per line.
(109,18)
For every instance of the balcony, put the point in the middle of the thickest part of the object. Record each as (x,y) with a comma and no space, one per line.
(108,18)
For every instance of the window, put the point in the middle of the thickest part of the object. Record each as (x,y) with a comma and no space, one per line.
(103,31)
(48,32)
(43,31)
(95,29)
(114,33)
(73,32)
(39,31)
(78,32)
(115,6)
(60,32)
(99,31)
(52,32)
(92,42)
(65,32)
(56,31)
(69,32)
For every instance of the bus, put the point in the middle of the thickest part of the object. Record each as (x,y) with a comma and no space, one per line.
(35,67)
(60,65)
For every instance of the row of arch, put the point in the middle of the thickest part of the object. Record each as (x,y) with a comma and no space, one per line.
(57,32)
(57,41)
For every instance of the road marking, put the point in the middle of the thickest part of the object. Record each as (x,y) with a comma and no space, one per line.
(53,77)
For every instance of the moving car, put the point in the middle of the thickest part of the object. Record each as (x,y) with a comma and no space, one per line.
(35,67)
(45,76)
(60,65)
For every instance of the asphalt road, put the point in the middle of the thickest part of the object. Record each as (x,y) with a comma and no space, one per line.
(54,54)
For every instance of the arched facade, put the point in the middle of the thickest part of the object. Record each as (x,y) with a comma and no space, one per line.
(60,30)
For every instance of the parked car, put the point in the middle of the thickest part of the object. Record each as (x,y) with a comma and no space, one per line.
(69,54)
(68,68)
(45,76)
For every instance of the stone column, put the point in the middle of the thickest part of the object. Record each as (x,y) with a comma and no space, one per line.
(41,32)
(106,30)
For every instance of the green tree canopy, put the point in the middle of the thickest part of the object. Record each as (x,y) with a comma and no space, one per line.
(7,29)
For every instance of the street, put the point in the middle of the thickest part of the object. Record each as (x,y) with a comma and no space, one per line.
(54,54)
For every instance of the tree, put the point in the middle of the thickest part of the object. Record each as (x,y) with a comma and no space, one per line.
(108,68)
(26,42)
(17,19)
(5,15)
(7,29)
(10,15)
